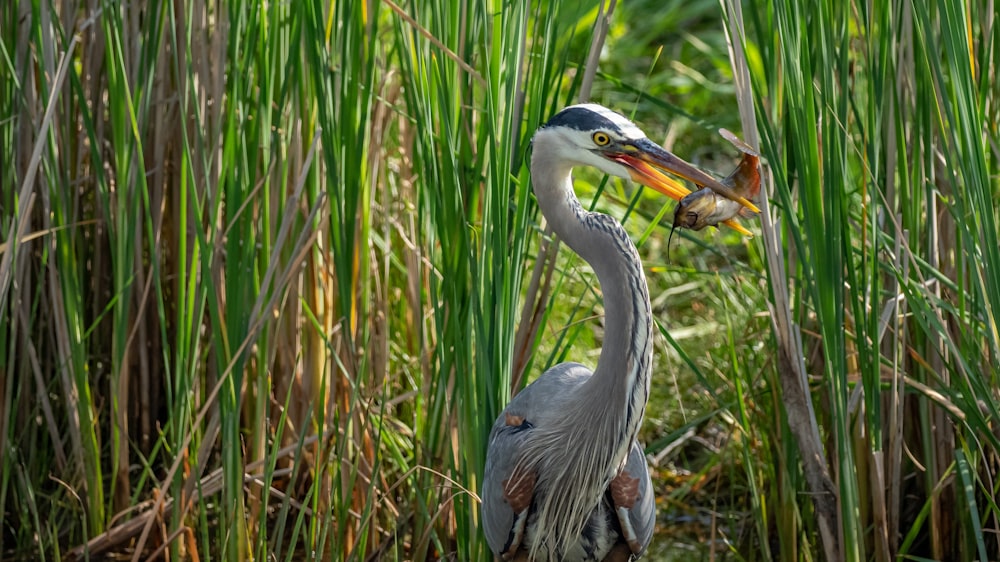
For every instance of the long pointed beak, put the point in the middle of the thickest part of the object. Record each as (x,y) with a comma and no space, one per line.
(647,163)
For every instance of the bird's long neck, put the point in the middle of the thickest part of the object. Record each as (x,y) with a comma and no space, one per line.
(620,385)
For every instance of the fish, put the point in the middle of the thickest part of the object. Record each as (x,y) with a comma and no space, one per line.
(705,207)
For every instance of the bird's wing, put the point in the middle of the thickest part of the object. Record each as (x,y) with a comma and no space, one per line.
(632,494)
(506,493)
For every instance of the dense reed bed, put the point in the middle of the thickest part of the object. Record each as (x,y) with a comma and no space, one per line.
(268,272)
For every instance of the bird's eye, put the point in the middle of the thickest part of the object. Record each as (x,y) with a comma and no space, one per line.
(601,138)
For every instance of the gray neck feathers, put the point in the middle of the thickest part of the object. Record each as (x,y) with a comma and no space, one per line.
(594,437)
(604,244)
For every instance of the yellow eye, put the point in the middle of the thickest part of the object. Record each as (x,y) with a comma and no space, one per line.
(601,138)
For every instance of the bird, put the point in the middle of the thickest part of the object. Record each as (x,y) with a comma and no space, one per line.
(565,478)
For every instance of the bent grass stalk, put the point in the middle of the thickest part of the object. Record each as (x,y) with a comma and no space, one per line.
(863,186)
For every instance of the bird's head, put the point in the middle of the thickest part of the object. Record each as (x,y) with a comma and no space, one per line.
(593,135)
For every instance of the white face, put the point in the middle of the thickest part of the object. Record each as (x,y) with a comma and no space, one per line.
(574,147)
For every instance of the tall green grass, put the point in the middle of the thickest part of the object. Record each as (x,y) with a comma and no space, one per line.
(269,271)
(274,299)
(878,122)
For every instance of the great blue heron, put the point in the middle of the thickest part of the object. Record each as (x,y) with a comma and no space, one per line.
(565,477)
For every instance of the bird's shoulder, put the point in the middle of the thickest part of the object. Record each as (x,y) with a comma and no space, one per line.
(555,383)
(569,374)
(544,397)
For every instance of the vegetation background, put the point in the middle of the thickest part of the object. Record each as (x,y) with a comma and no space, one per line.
(269,270)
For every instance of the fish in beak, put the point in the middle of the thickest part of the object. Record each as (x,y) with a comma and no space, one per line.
(649,164)
(706,207)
